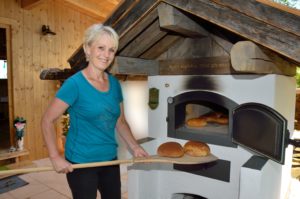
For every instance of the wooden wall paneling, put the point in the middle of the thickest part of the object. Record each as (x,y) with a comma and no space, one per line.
(1,7)
(144,41)
(56,58)
(29,4)
(30,53)
(51,48)
(40,58)
(280,41)
(32,67)
(13,11)
(29,83)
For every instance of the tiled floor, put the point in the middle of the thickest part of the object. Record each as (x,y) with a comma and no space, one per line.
(50,185)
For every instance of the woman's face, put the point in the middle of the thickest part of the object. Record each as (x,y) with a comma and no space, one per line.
(101,52)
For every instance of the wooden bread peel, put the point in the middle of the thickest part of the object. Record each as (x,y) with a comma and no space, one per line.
(186,159)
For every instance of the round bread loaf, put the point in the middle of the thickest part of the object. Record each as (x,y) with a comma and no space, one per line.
(170,149)
(196,149)
(217,117)
(196,122)
(222,120)
(212,116)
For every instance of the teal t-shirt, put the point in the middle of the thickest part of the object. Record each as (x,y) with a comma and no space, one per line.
(93,117)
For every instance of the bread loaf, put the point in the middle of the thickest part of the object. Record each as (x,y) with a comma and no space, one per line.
(196,122)
(216,117)
(197,149)
(170,149)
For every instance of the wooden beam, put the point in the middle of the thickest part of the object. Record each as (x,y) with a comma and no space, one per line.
(134,13)
(280,6)
(29,4)
(131,12)
(56,74)
(223,43)
(137,29)
(173,19)
(134,66)
(280,41)
(161,46)
(144,41)
(121,11)
(269,12)
(248,57)
(78,61)
(196,66)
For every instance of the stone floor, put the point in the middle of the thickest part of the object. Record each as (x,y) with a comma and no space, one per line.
(50,185)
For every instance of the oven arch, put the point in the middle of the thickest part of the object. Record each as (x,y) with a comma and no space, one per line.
(216,102)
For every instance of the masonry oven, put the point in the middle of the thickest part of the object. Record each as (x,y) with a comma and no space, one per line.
(252,146)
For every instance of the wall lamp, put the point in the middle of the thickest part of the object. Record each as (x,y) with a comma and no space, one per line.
(46,31)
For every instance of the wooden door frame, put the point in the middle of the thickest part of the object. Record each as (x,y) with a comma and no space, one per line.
(7,28)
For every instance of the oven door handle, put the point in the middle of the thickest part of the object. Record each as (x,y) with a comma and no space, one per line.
(295,143)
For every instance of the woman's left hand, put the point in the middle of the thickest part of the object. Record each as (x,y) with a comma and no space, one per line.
(139,152)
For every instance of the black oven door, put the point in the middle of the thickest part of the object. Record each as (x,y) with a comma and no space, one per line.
(260,129)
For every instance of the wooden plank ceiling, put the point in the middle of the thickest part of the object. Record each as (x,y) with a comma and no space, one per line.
(100,10)
(147,28)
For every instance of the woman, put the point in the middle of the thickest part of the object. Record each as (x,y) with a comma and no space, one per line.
(93,99)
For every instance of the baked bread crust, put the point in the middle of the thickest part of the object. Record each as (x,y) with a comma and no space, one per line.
(196,149)
(213,117)
(170,149)
(196,122)
(217,117)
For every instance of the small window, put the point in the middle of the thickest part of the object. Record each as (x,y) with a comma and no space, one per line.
(3,69)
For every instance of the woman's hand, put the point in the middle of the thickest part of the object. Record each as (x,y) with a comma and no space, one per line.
(61,165)
(139,152)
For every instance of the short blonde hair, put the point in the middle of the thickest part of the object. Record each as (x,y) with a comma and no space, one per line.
(96,30)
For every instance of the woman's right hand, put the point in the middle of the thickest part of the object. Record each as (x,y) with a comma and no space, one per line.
(61,165)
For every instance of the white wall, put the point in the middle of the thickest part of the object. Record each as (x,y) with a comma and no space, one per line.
(135,94)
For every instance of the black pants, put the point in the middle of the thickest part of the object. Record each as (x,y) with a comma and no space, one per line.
(84,183)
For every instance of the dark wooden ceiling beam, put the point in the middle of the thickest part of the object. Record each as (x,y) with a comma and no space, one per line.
(172,19)
(281,19)
(137,29)
(196,66)
(134,66)
(280,41)
(133,14)
(56,74)
(144,41)
(161,46)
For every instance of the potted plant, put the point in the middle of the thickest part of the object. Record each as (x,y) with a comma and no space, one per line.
(19,124)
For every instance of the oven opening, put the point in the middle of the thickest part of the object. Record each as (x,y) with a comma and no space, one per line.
(201,116)
(204,116)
